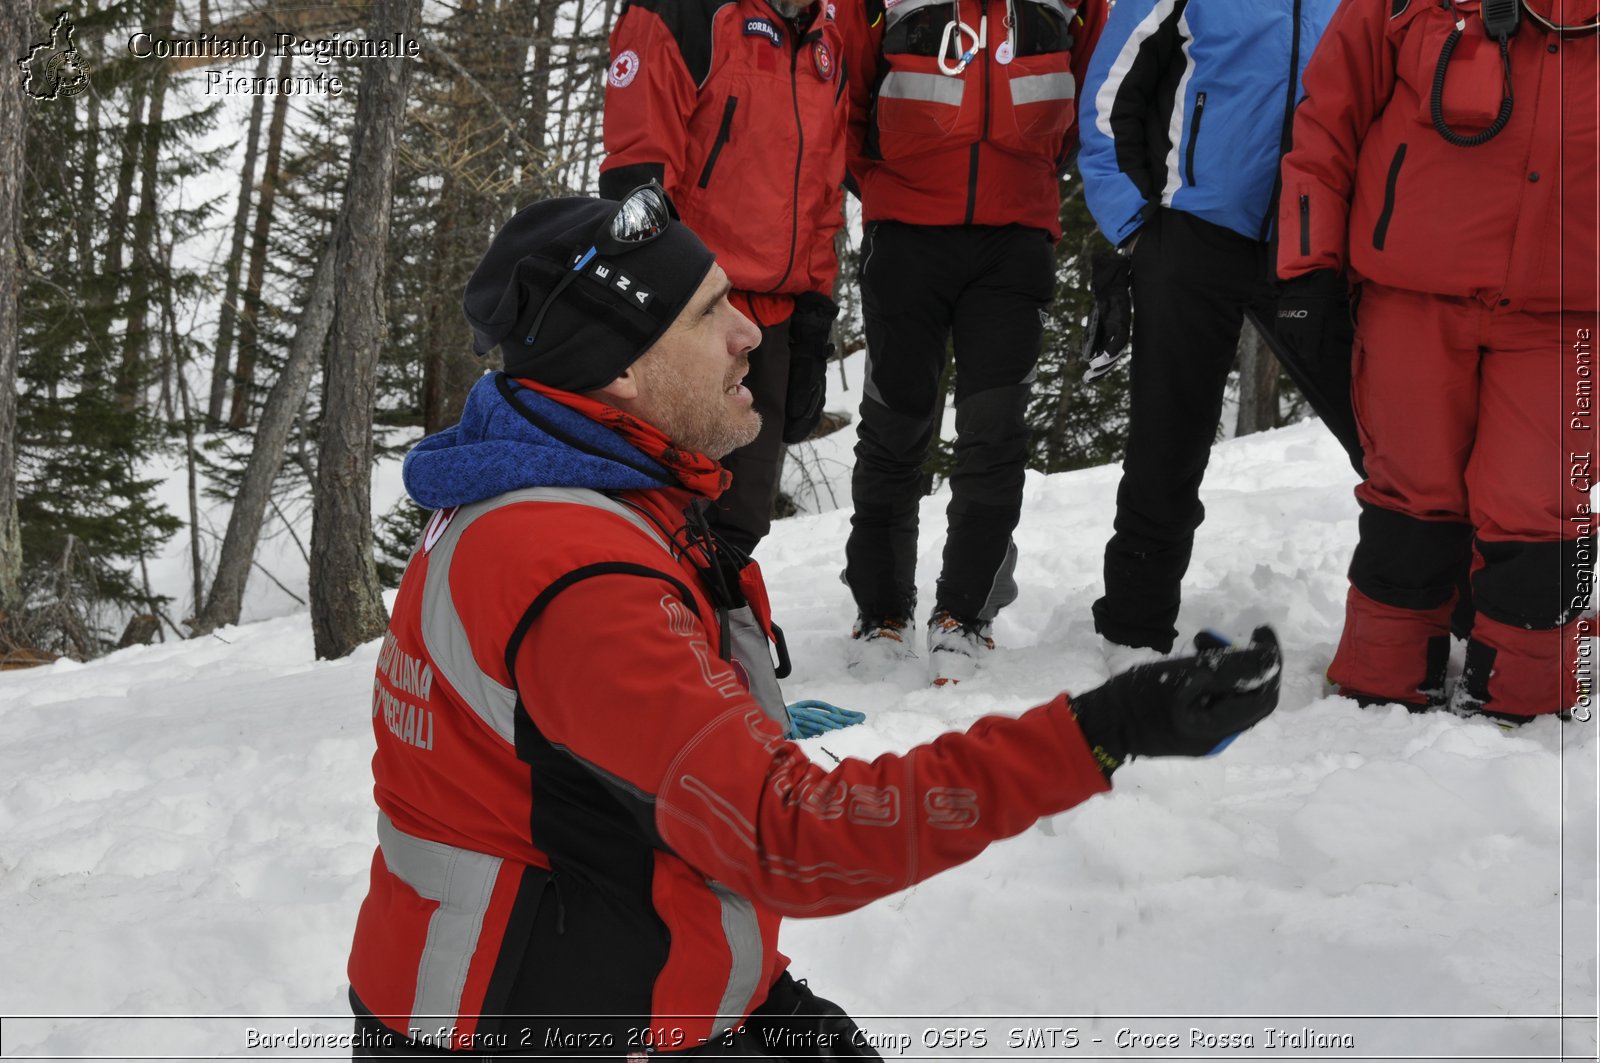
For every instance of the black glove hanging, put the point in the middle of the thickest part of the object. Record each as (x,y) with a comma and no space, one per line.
(1314,315)
(1312,338)
(810,348)
(1189,707)
(1110,322)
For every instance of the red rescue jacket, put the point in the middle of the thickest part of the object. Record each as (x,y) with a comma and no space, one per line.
(980,147)
(584,810)
(1371,185)
(743,121)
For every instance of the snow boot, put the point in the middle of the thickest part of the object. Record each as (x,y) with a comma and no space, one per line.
(879,643)
(956,647)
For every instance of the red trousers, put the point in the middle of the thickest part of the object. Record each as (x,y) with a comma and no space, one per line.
(1476,427)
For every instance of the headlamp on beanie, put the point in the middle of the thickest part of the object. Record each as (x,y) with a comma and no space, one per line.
(574,290)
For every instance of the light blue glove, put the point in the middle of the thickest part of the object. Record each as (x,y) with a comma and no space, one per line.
(810,718)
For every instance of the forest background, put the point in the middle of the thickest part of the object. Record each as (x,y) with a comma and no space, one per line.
(270,307)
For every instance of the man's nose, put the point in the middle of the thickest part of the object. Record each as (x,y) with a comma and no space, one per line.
(746,334)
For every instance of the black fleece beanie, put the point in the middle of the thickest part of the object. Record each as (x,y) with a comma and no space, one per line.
(605,319)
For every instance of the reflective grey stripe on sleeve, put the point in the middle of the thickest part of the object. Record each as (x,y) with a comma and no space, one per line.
(933,87)
(753,652)
(445,635)
(743,935)
(461,881)
(1037,88)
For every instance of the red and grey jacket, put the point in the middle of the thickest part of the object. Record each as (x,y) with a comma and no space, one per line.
(1370,184)
(741,116)
(937,138)
(584,810)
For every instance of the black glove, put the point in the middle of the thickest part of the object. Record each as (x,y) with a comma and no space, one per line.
(1314,316)
(1189,707)
(810,347)
(1106,339)
(795,1023)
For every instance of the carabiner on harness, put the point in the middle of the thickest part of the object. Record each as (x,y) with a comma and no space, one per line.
(954,32)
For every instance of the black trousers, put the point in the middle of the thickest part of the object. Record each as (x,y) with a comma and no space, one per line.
(923,289)
(743,515)
(1192,285)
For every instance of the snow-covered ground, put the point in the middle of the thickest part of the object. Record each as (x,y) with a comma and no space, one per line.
(185,829)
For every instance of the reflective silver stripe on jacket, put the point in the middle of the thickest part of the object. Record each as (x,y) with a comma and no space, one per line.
(936,88)
(743,934)
(752,649)
(445,635)
(1038,88)
(457,877)
(461,881)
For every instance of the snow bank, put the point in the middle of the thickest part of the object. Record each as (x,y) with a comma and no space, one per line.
(185,831)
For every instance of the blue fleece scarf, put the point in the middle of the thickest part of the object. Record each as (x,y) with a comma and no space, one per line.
(510,437)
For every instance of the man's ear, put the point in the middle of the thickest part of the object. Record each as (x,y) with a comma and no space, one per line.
(622,390)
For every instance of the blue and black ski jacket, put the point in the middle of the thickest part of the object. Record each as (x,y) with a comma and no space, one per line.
(1188,105)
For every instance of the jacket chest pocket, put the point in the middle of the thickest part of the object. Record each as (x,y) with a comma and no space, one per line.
(1474,78)
(720,141)
(917,103)
(1037,73)
(1043,96)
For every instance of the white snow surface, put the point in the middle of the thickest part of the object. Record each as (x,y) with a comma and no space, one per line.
(186,828)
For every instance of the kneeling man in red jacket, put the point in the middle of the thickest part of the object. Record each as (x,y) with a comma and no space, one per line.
(592,814)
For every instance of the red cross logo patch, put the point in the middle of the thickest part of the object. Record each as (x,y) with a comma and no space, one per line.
(624,68)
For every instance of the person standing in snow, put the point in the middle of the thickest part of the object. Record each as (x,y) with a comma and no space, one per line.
(737,108)
(1444,163)
(592,815)
(961,118)
(1184,116)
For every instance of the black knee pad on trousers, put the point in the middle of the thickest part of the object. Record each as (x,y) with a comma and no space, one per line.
(1536,586)
(1406,562)
(991,447)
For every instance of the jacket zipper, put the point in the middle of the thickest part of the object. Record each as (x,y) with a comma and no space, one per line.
(972,167)
(1381,231)
(1305,225)
(723,134)
(1285,136)
(1194,137)
(800,150)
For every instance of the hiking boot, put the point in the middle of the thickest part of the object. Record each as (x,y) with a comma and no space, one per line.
(882,642)
(956,647)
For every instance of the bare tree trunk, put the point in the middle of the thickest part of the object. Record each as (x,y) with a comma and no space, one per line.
(533,181)
(241,223)
(440,406)
(172,342)
(346,599)
(1258,383)
(88,212)
(266,458)
(121,205)
(131,372)
(17,29)
(477,190)
(244,376)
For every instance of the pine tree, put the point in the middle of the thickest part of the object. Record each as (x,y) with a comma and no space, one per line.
(89,516)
